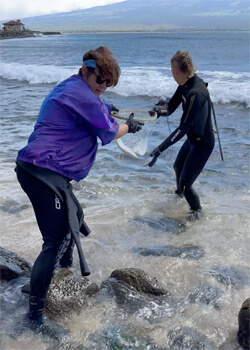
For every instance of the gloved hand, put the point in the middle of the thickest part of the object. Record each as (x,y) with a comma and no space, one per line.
(158,110)
(133,126)
(155,154)
(114,109)
(160,107)
(162,101)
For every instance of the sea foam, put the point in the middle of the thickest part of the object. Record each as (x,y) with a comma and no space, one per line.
(225,87)
(35,74)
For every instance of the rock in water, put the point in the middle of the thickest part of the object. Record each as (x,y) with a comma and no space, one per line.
(188,338)
(243,334)
(208,295)
(12,266)
(233,276)
(140,281)
(185,251)
(161,223)
(68,292)
(135,291)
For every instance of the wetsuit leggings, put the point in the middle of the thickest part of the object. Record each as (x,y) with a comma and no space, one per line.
(52,219)
(188,165)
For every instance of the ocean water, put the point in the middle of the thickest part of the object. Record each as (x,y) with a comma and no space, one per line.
(124,201)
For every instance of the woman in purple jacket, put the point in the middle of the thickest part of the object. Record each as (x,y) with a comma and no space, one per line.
(62,148)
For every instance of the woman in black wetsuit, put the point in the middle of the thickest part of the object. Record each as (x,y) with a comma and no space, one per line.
(195,122)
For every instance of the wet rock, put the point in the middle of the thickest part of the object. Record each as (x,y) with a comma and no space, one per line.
(12,266)
(130,301)
(188,338)
(243,334)
(125,296)
(161,223)
(15,34)
(69,292)
(231,276)
(208,295)
(139,280)
(133,290)
(184,251)
(13,207)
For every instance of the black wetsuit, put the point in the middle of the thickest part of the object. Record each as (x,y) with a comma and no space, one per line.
(60,219)
(196,123)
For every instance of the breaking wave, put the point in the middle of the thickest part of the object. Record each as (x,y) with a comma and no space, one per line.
(225,87)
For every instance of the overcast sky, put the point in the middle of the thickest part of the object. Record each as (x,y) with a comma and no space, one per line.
(16,9)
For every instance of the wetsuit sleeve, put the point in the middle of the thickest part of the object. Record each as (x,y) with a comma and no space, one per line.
(174,102)
(185,124)
(174,137)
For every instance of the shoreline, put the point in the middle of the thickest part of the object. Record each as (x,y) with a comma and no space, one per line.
(181,30)
(39,33)
(25,34)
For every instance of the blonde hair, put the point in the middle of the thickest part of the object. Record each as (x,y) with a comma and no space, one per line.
(105,62)
(184,62)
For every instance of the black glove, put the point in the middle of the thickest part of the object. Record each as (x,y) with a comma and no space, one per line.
(133,126)
(155,154)
(158,110)
(161,107)
(114,109)
(162,101)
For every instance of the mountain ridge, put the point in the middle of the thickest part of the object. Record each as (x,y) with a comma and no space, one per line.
(131,15)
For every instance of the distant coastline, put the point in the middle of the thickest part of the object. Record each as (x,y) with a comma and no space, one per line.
(29,33)
(25,34)
(148,30)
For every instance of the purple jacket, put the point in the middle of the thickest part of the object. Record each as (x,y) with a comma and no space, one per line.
(64,139)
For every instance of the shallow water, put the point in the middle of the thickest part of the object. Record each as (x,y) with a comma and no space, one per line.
(128,205)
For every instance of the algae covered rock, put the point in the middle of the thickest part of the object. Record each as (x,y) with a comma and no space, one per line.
(69,292)
(139,280)
(135,292)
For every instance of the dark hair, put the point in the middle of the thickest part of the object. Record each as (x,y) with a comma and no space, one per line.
(184,62)
(106,63)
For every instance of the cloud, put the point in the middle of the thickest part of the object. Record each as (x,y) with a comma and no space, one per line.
(17,9)
(219,13)
(235,3)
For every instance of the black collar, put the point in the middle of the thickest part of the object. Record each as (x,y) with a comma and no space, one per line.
(190,81)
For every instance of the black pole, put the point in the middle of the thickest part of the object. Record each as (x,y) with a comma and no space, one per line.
(217,132)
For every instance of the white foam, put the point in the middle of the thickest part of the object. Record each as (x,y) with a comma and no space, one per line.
(225,87)
(228,87)
(34,74)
